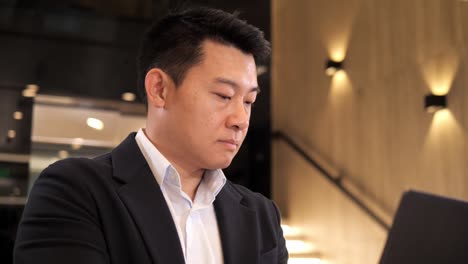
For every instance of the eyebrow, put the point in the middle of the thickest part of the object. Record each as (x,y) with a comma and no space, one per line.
(235,85)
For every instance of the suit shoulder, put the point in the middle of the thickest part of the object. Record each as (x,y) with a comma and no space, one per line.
(266,209)
(251,198)
(76,180)
(78,168)
(81,163)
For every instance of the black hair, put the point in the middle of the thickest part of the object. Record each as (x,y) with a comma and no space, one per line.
(174,43)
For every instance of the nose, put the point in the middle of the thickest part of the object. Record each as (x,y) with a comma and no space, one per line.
(239,117)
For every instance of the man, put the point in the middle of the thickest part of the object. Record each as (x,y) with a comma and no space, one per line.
(161,196)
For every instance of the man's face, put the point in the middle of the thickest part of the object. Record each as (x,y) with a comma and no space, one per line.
(208,114)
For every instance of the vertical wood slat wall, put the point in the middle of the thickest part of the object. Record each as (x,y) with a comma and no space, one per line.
(369,122)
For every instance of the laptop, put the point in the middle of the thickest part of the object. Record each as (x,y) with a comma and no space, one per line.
(428,229)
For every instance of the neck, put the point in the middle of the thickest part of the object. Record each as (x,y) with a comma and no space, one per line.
(190,180)
(190,177)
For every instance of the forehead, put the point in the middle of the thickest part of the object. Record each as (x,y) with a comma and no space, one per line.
(227,62)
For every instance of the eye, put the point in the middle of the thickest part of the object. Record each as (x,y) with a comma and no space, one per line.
(224,97)
(250,100)
(249,103)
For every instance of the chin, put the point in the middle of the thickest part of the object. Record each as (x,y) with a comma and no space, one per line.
(220,164)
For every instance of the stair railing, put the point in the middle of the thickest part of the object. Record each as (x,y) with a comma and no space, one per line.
(337,182)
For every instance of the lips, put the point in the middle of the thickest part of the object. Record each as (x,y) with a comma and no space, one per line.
(230,143)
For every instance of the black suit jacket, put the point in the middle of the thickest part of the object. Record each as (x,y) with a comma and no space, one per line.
(111,210)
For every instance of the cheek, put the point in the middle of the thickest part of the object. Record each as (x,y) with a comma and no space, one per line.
(209,115)
(244,134)
(211,121)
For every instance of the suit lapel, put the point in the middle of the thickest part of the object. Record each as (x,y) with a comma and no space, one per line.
(145,201)
(237,227)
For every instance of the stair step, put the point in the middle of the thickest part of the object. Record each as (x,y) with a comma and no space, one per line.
(305,259)
(289,231)
(297,246)
(301,250)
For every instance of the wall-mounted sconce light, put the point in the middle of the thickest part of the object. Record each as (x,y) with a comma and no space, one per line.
(18,115)
(30,90)
(331,67)
(433,103)
(128,97)
(11,134)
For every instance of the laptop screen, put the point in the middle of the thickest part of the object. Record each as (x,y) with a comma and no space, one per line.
(428,229)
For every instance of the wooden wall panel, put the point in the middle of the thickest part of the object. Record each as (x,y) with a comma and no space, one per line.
(369,121)
(336,227)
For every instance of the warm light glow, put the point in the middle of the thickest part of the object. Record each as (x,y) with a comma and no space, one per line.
(440,90)
(62,154)
(129,97)
(337,46)
(18,115)
(304,261)
(339,77)
(443,154)
(299,246)
(442,85)
(77,143)
(340,87)
(95,123)
(11,133)
(443,116)
(444,131)
(337,53)
(30,90)
(439,71)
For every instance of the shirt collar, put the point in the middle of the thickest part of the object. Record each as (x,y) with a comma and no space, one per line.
(158,164)
(211,184)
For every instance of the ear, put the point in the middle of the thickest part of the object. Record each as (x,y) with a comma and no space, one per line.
(156,85)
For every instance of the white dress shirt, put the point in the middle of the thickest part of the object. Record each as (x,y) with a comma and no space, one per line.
(195,221)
